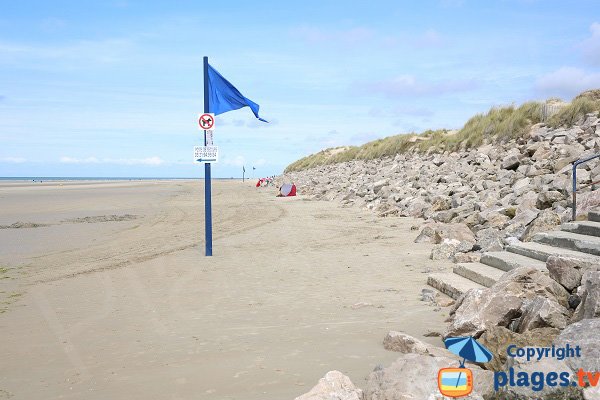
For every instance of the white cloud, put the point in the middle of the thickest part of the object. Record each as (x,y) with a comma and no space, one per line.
(367,36)
(237,161)
(247,121)
(72,160)
(567,82)
(452,3)
(591,46)
(408,85)
(392,112)
(103,51)
(430,38)
(120,161)
(363,137)
(13,160)
(348,36)
(257,124)
(240,161)
(52,24)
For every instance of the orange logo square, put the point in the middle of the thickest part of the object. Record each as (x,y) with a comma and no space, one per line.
(455,382)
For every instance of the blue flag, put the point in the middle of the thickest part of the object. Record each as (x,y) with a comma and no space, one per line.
(223,96)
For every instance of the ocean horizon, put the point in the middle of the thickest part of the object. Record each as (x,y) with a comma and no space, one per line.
(103,178)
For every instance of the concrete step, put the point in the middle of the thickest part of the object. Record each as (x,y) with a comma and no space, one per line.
(590,228)
(594,216)
(506,261)
(479,273)
(541,251)
(568,240)
(451,284)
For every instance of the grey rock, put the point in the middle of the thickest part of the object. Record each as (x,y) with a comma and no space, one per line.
(517,226)
(568,270)
(441,203)
(466,257)
(586,335)
(403,379)
(574,300)
(587,201)
(490,239)
(415,209)
(590,297)
(377,186)
(521,186)
(541,312)
(480,309)
(498,338)
(333,386)
(528,282)
(435,233)
(547,198)
(510,162)
(445,216)
(544,366)
(445,250)
(428,294)
(591,393)
(404,343)
(526,202)
(547,220)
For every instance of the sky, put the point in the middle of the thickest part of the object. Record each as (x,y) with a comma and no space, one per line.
(114,88)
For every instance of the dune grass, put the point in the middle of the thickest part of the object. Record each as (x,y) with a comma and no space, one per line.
(576,110)
(499,124)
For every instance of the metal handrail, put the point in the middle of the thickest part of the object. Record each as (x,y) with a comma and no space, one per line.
(575,164)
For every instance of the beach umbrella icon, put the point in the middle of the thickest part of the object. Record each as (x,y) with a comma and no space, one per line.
(468,348)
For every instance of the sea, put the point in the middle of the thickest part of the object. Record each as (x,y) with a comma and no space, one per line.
(95,178)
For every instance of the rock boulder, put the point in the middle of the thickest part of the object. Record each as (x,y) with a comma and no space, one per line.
(568,270)
(586,335)
(589,307)
(333,386)
(413,376)
(542,312)
(498,338)
(403,343)
(480,309)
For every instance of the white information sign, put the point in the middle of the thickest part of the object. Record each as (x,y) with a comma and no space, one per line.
(209,138)
(206,154)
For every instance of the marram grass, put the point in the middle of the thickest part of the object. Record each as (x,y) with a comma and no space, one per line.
(499,124)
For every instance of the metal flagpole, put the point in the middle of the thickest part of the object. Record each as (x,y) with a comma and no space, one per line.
(207,188)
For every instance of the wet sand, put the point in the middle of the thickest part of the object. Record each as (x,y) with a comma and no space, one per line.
(106,294)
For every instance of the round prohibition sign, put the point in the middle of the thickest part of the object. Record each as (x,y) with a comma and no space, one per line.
(206,121)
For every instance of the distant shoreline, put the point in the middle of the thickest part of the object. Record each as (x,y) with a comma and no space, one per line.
(86,178)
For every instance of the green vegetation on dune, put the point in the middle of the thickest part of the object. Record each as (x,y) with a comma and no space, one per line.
(499,124)
(570,114)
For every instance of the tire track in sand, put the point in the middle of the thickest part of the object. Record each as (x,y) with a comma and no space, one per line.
(174,229)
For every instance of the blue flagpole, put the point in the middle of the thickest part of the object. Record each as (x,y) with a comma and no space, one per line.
(207,188)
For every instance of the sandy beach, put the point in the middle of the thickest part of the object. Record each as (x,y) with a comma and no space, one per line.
(106,294)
